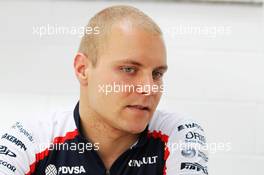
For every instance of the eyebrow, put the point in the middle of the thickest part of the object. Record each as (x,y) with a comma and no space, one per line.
(128,61)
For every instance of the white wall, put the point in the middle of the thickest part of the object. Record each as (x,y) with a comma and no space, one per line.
(216,78)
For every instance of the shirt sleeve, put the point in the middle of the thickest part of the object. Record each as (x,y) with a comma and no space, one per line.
(17,147)
(187,149)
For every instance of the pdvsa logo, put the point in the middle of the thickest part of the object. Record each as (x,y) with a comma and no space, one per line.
(143,161)
(52,170)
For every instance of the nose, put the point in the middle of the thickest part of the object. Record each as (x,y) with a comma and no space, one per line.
(145,85)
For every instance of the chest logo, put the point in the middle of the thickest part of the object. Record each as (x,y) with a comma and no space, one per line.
(143,161)
(53,170)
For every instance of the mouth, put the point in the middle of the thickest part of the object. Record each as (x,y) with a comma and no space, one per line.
(139,107)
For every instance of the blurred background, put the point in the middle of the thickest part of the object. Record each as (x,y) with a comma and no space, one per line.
(215,57)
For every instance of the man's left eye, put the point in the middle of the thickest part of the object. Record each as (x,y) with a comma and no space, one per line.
(129,70)
(157,75)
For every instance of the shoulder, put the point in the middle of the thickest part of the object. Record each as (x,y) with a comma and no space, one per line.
(40,131)
(168,122)
(186,142)
(27,140)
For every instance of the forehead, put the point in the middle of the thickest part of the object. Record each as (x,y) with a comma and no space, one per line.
(126,41)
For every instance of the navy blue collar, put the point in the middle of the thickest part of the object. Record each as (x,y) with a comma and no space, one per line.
(143,137)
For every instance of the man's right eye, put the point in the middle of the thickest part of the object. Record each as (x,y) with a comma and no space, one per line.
(128,69)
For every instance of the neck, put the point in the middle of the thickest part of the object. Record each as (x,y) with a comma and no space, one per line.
(112,142)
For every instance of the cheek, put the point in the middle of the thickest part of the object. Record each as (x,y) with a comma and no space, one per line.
(106,89)
(116,86)
(157,98)
(105,95)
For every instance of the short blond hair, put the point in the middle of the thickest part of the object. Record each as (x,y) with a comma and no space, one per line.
(92,43)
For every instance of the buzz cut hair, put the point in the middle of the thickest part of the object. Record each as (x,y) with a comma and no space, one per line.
(92,44)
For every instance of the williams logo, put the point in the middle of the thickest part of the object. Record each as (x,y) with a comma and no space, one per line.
(52,170)
(143,161)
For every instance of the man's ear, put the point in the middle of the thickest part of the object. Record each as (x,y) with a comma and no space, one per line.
(81,65)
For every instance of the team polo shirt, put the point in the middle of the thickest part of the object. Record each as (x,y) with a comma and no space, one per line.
(171,144)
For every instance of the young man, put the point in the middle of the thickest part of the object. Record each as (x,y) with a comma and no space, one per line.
(115,128)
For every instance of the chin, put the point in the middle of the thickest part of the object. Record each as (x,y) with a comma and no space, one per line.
(135,122)
(136,128)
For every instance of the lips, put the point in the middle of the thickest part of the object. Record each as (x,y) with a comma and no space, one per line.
(140,107)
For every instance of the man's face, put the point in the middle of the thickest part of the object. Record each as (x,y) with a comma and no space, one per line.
(132,57)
